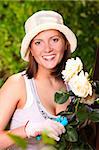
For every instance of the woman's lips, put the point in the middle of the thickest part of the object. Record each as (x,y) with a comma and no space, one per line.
(49,57)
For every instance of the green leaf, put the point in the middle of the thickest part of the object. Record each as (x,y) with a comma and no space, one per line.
(61,97)
(73,123)
(65,113)
(71,134)
(18,141)
(47,140)
(94,115)
(90,73)
(82,113)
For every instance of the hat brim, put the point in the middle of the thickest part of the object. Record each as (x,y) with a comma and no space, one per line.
(62,28)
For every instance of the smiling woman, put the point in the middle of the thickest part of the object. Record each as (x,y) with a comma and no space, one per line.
(27,98)
(48,43)
(48,48)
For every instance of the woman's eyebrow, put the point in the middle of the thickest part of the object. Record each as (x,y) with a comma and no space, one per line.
(49,37)
(55,35)
(36,40)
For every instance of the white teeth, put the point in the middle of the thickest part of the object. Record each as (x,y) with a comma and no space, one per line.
(50,57)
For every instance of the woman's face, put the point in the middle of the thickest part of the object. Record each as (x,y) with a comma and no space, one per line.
(48,48)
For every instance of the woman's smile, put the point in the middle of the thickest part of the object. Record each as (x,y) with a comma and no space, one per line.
(48,48)
(49,57)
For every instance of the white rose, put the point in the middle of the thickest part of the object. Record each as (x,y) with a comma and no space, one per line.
(80,85)
(73,67)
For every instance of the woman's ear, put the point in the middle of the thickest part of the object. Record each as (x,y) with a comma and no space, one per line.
(29,49)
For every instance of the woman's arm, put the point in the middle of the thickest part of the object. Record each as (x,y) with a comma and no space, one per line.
(5,140)
(11,94)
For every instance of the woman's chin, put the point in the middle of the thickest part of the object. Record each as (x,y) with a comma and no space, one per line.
(49,64)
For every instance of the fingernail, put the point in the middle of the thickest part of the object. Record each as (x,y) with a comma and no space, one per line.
(57,139)
(64,131)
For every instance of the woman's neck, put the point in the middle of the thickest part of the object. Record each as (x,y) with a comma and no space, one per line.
(44,74)
(44,77)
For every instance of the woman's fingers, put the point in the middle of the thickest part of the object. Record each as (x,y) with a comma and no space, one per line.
(51,135)
(56,127)
(61,127)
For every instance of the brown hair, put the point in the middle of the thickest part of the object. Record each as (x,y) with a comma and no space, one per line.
(56,72)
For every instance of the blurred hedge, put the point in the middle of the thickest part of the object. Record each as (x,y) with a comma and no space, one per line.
(82,16)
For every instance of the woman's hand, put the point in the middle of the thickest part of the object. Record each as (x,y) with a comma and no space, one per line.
(53,129)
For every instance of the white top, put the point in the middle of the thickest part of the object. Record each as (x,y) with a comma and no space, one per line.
(33,110)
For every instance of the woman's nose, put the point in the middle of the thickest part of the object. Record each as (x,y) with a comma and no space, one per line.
(48,48)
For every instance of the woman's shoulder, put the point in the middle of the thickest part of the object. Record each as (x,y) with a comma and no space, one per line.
(17,78)
(14,81)
(13,89)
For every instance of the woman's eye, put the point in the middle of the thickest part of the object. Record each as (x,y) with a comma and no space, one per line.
(55,39)
(37,43)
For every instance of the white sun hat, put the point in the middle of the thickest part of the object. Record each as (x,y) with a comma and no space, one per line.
(45,20)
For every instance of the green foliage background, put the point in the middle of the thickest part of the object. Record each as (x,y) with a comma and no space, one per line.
(81,16)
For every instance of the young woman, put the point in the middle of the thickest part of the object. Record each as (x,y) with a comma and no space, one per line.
(27,98)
